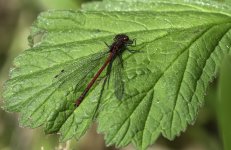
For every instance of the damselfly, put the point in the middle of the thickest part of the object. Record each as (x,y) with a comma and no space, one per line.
(114,55)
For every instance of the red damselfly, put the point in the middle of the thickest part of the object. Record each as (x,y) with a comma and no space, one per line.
(114,55)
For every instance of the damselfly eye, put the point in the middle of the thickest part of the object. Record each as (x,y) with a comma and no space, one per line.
(125,38)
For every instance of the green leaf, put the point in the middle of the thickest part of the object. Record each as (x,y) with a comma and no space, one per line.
(182,46)
(224,103)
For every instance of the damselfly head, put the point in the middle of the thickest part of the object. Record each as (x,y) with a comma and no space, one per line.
(121,37)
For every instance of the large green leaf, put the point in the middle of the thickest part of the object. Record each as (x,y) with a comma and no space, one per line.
(182,46)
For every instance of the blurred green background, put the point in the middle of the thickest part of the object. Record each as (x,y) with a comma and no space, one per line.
(16,16)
